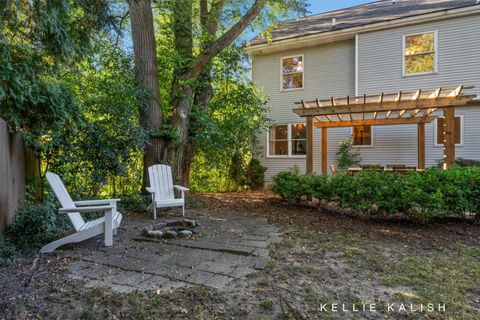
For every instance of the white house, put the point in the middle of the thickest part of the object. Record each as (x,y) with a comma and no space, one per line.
(383,46)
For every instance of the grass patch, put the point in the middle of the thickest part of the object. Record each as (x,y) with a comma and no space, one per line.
(444,277)
(414,274)
(267,304)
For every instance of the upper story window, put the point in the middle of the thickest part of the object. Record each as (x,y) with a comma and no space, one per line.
(287,140)
(292,72)
(362,136)
(420,53)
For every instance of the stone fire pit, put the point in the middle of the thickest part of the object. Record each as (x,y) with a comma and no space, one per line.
(183,228)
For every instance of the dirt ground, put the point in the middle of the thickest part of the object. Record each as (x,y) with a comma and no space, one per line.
(327,262)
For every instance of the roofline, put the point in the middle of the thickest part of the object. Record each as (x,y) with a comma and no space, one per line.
(349,33)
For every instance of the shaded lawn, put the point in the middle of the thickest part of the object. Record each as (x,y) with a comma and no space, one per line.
(324,259)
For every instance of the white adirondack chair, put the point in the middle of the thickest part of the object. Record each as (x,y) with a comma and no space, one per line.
(107,225)
(161,189)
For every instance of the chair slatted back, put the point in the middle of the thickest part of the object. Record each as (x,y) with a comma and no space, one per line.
(161,180)
(65,200)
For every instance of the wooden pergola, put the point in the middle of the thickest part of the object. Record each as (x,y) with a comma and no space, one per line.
(412,107)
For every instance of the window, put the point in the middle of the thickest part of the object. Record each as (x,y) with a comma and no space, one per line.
(299,139)
(278,140)
(420,53)
(362,136)
(457,132)
(292,73)
(287,140)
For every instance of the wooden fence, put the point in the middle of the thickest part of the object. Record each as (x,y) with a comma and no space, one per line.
(12,173)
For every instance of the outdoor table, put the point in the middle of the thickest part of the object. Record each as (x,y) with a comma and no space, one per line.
(352,171)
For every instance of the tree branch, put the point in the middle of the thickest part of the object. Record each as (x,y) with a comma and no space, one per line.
(213,18)
(226,39)
(203,12)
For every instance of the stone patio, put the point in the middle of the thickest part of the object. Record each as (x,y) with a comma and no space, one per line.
(230,247)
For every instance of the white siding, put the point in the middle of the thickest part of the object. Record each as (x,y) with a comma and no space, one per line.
(380,69)
(329,71)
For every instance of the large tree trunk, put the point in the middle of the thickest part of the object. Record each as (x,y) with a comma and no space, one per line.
(185,152)
(182,87)
(145,52)
(186,85)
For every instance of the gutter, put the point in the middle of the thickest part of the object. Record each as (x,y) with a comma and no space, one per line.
(349,33)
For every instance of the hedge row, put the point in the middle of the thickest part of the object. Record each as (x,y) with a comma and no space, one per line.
(420,196)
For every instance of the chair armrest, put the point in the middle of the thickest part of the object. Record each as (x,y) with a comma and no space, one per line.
(150,189)
(95,202)
(181,188)
(86,209)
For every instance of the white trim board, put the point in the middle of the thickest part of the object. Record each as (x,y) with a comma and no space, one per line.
(281,72)
(435,44)
(289,142)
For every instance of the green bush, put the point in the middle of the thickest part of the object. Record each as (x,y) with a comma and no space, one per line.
(347,156)
(461,162)
(420,196)
(7,251)
(135,202)
(255,174)
(35,225)
(291,185)
(32,227)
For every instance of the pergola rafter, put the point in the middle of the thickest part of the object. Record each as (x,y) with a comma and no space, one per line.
(396,108)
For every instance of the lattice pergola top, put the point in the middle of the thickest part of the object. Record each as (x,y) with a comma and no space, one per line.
(385,108)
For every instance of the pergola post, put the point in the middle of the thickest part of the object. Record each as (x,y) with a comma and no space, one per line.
(324,151)
(421,145)
(310,145)
(448,137)
(394,108)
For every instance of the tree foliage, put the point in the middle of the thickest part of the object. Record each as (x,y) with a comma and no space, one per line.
(37,40)
(105,139)
(198,33)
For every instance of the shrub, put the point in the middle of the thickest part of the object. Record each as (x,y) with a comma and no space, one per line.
(291,185)
(461,162)
(7,251)
(421,196)
(255,174)
(235,172)
(135,202)
(346,155)
(35,225)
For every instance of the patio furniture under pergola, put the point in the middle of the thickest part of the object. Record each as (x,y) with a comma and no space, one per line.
(412,107)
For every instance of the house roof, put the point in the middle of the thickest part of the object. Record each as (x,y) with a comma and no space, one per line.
(365,14)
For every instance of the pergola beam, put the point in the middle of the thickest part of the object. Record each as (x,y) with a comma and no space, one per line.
(374,122)
(379,110)
(386,106)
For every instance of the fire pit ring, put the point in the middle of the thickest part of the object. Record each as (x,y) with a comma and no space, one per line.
(182,228)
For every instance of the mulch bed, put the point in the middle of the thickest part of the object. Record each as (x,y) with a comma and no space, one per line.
(444,233)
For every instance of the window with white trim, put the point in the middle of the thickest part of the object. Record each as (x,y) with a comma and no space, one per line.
(362,136)
(278,140)
(292,72)
(299,139)
(287,140)
(420,53)
(457,130)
